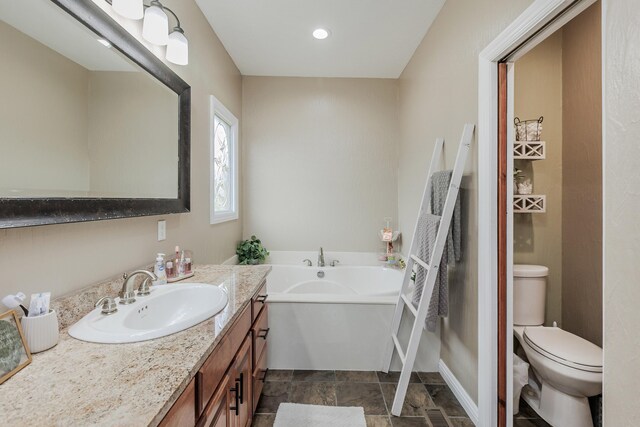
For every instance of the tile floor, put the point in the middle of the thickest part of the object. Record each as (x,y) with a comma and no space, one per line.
(528,418)
(373,391)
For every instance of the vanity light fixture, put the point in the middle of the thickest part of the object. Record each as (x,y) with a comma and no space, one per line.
(132,9)
(178,47)
(320,33)
(155,27)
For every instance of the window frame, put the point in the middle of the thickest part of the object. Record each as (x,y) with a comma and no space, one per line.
(218,109)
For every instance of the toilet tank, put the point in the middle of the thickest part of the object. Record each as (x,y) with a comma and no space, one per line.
(529,294)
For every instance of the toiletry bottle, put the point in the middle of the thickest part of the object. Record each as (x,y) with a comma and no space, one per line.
(187,266)
(170,270)
(159,271)
(177,262)
(181,266)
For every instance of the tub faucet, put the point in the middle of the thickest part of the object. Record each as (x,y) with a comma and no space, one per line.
(321,258)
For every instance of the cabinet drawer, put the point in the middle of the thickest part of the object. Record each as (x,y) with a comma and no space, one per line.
(214,368)
(258,301)
(259,376)
(259,332)
(183,412)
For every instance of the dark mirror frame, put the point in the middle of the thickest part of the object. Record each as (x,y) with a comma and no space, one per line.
(16,213)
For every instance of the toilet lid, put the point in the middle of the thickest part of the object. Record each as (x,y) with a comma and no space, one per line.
(565,348)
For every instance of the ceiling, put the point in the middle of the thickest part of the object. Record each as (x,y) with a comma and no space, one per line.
(369,38)
(51,26)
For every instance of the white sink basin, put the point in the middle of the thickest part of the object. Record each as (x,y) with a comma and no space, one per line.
(169,309)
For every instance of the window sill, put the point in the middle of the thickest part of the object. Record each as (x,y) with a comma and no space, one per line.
(220,218)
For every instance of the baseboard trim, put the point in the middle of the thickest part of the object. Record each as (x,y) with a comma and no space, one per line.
(461,394)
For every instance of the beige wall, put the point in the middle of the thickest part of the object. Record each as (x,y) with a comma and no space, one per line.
(52,137)
(438,94)
(582,176)
(62,258)
(538,237)
(138,157)
(320,161)
(621,207)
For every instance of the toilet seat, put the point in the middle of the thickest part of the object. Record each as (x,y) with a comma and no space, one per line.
(565,348)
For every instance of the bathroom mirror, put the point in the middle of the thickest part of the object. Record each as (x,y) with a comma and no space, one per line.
(92,124)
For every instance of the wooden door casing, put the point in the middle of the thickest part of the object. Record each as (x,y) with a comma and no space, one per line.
(503,173)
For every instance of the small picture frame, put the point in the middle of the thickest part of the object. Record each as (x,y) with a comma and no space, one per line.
(14,351)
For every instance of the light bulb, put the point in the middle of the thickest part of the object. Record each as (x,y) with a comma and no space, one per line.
(131,9)
(320,33)
(155,27)
(178,48)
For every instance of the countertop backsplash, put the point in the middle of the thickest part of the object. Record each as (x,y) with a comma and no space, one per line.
(72,307)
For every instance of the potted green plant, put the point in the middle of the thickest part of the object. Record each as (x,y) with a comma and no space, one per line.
(251,251)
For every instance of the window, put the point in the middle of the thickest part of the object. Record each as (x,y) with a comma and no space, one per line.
(223,163)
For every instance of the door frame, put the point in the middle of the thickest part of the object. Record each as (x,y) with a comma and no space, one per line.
(535,24)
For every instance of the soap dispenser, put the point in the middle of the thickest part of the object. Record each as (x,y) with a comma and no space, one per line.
(159,270)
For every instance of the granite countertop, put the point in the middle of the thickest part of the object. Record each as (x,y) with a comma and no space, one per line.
(81,383)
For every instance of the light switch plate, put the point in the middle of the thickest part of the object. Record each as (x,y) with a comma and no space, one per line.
(162,230)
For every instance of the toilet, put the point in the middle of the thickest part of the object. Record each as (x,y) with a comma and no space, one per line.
(568,368)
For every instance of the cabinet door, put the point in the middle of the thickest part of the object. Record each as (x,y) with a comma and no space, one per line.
(216,414)
(242,376)
(183,412)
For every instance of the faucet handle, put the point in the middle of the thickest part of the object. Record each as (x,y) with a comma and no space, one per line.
(144,289)
(109,305)
(334,263)
(308,262)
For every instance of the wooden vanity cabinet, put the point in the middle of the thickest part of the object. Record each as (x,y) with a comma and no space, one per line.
(259,301)
(243,397)
(231,404)
(182,413)
(259,376)
(217,413)
(226,389)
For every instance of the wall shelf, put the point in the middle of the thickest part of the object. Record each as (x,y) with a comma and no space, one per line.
(529,150)
(529,203)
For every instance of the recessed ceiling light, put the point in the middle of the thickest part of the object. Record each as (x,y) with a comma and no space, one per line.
(320,33)
(104,42)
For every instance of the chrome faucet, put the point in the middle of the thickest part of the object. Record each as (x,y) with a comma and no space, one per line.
(127,294)
(308,262)
(108,305)
(321,258)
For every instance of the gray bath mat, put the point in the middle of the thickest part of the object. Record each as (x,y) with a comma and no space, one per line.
(296,415)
